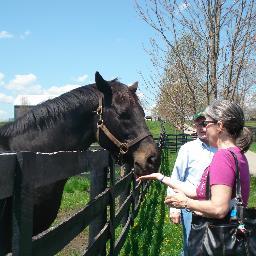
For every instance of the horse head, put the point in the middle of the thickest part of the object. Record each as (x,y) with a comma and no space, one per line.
(121,126)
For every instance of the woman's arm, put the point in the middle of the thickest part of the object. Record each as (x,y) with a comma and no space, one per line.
(216,207)
(187,188)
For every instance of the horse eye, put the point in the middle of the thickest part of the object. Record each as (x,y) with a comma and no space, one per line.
(125,115)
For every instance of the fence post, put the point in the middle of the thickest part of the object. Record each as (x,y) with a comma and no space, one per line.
(98,164)
(125,169)
(22,214)
(176,143)
(112,206)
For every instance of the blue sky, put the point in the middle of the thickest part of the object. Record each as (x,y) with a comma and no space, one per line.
(49,47)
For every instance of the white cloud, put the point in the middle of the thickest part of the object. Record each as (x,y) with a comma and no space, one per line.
(141,95)
(1,78)
(5,34)
(148,109)
(21,81)
(32,99)
(25,34)
(6,99)
(58,90)
(183,6)
(81,78)
(27,84)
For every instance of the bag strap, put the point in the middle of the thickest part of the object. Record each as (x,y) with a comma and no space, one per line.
(239,201)
(208,189)
(238,180)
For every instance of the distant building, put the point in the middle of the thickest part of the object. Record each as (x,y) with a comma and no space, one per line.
(23,103)
(20,110)
(149,118)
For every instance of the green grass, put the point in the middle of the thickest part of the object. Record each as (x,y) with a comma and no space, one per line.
(76,193)
(250,123)
(252,199)
(253,147)
(152,233)
(172,234)
(155,128)
(2,123)
(75,197)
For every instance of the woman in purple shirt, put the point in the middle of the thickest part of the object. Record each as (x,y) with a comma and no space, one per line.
(225,130)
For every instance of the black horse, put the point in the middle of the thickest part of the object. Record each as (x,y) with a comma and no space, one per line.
(108,112)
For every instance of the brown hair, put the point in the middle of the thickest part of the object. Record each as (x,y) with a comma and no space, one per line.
(232,116)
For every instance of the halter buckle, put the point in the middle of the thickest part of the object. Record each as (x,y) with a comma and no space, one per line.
(99,111)
(100,123)
(124,148)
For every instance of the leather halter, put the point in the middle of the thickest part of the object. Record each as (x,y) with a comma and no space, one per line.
(123,146)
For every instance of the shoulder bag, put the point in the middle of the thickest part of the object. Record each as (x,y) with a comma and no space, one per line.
(233,235)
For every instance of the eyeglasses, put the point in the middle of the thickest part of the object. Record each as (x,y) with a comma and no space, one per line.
(206,122)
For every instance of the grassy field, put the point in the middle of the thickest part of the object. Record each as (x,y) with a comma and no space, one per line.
(250,123)
(2,123)
(74,198)
(76,193)
(155,128)
(253,147)
(252,199)
(152,233)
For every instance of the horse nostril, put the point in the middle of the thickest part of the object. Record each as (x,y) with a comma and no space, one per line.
(152,160)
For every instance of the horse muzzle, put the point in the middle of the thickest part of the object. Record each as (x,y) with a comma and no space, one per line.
(146,159)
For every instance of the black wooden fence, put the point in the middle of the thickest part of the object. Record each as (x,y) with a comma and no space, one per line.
(253,130)
(173,142)
(21,173)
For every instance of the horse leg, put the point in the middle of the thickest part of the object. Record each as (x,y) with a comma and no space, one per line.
(5,225)
(46,205)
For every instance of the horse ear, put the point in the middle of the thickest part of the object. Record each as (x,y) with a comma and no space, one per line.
(101,84)
(133,87)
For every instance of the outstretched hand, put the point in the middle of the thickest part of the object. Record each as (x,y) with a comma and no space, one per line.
(152,176)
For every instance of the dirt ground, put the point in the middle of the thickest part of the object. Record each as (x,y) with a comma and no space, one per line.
(79,243)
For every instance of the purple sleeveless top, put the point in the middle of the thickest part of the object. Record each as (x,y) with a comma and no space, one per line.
(222,172)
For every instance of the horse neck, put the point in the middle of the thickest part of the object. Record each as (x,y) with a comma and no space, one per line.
(75,132)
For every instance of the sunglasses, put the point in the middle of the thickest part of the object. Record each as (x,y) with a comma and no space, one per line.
(206,122)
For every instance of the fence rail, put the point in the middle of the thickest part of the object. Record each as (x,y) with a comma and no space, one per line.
(21,173)
(173,142)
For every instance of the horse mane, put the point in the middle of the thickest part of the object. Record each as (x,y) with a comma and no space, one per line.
(49,112)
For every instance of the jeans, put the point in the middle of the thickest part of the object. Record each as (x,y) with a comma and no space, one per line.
(186,219)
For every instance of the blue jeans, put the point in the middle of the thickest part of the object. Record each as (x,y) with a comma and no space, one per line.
(186,219)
